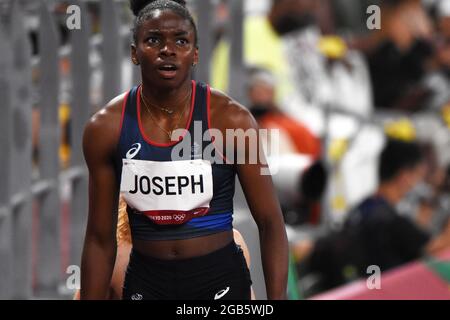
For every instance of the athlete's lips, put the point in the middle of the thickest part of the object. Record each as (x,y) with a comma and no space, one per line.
(167,70)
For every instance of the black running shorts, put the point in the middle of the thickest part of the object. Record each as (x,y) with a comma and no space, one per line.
(222,274)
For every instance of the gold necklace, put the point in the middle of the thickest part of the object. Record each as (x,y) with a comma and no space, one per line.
(169,133)
(166,110)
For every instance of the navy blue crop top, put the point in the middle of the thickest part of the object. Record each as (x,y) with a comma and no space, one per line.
(175,190)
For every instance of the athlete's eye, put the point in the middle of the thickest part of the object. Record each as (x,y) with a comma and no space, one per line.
(182,42)
(153,41)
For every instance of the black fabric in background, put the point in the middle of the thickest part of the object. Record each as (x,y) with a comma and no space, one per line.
(393,73)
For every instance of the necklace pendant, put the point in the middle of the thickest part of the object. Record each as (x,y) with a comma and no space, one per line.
(168,110)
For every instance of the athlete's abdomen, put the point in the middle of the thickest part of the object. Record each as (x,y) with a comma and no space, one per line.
(188,248)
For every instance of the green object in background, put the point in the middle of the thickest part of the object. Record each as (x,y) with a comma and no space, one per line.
(293,292)
(439,267)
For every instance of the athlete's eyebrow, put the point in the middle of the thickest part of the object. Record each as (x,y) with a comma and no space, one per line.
(181,33)
(177,33)
(153,31)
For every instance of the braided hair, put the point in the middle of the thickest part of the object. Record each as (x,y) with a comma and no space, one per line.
(143,10)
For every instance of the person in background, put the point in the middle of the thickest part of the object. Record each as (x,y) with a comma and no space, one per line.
(438,79)
(400,55)
(374,232)
(323,70)
(294,136)
(428,204)
(391,239)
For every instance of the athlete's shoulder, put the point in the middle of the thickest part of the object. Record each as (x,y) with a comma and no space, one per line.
(109,117)
(110,112)
(234,114)
(104,126)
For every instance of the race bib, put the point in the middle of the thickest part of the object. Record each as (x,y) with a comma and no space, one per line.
(167,192)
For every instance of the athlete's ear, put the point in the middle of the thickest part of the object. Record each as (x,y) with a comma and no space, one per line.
(134,57)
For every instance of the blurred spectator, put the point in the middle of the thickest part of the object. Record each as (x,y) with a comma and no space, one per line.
(389,238)
(300,204)
(438,80)
(429,203)
(375,233)
(323,69)
(294,137)
(312,69)
(401,55)
(300,182)
(327,75)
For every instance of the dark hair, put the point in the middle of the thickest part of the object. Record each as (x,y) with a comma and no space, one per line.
(142,9)
(396,156)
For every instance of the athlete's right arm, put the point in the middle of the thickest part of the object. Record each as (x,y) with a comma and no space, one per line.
(99,144)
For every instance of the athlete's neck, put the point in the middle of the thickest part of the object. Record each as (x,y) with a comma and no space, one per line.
(168,98)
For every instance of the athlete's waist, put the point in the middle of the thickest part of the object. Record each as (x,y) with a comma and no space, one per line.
(185,249)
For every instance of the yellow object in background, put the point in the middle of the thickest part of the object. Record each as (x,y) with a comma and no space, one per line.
(337,149)
(402,129)
(262,48)
(64,147)
(339,203)
(333,47)
(220,66)
(64,113)
(446,115)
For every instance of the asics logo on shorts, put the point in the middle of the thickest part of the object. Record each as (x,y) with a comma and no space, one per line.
(221,293)
(134,151)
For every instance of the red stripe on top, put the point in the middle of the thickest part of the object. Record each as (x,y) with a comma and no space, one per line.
(208,112)
(169,144)
(124,106)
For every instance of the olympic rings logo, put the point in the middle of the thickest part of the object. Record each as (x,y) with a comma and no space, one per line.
(179,217)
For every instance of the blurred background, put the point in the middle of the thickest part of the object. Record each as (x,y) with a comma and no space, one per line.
(358,89)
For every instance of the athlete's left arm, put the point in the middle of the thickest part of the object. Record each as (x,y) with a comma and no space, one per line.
(263,203)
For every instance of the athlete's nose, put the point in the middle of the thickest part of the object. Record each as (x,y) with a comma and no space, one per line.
(167,49)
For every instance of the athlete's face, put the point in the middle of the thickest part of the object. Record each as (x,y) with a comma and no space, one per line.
(165,49)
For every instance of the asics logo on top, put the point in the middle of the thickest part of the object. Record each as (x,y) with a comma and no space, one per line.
(221,293)
(135,148)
